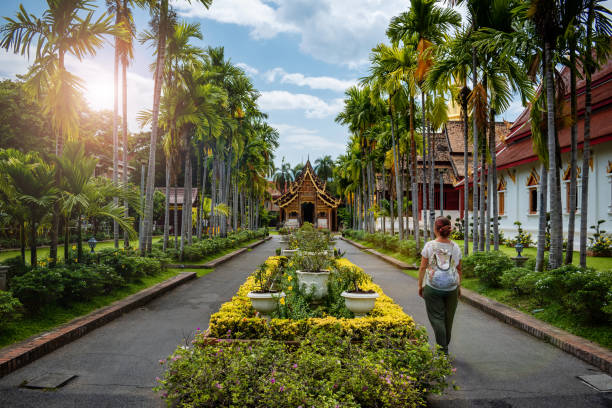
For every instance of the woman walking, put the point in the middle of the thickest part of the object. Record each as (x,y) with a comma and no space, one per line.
(440,280)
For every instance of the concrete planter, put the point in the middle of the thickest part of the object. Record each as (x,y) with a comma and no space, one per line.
(315,282)
(265,303)
(359,303)
(288,252)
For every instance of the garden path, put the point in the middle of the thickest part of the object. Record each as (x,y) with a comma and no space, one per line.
(497,364)
(117,364)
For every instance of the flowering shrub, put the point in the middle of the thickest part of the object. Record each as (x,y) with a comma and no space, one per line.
(324,371)
(238,317)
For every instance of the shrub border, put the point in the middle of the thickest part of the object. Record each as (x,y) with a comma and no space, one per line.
(218,261)
(20,354)
(577,346)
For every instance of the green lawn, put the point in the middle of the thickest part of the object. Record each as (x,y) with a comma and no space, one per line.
(596,262)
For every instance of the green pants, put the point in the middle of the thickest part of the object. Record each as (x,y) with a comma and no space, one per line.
(441,306)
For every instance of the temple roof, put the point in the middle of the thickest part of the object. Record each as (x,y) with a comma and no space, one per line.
(294,189)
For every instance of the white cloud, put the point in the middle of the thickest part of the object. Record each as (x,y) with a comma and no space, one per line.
(261,17)
(248,69)
(313,106)
(12,64)
(295,139)
(318,82)
(335,31)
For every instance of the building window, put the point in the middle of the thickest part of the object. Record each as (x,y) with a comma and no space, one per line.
(501,199)
(567,180)
(533,182)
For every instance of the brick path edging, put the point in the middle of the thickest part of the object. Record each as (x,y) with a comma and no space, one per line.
(218,261)
(18,355)
(577,346)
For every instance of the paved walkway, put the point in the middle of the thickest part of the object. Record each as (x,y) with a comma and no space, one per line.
(117,364)
(497,365)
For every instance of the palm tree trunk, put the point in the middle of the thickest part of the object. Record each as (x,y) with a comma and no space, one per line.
(204,174)
(571,222)
(424,169)
(66,236)
(126,238)
(556,227)
(186,205)
(466,184)
(189,214)
(33,258)
(483,178)
(493,176)
(413,180)
(542,208)
(199,209)
(115,126)
(161,55)
(586,148)
(474,161)
(22,240)
(80,236)
(167,206)
(398,188)
(175,211)
(432,183)
(384,196)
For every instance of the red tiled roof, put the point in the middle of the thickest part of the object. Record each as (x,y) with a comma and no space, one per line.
(519,150)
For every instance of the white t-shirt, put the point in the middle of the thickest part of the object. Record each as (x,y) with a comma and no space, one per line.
(453,251)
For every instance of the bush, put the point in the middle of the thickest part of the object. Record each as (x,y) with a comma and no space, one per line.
(526,284)
(16,267)
(10,308)
(38,287)
(510,278)
(408,248)
(491,266)
(468,264)
(582,291)
(327,371)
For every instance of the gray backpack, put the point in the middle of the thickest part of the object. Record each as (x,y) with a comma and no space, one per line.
(443,273)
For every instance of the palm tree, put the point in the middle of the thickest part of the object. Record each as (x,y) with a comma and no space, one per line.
(324,167)
(161,9)
(33,181)
(59,31)
(283,176)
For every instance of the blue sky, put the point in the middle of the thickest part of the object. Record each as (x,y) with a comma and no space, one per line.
(301,55)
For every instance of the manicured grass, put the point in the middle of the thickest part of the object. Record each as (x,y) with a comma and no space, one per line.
(43,253)
(596,262)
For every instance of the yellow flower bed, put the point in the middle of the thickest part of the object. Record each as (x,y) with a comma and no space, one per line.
(236,318)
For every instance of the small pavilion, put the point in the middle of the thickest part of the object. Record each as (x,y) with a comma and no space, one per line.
(307,200)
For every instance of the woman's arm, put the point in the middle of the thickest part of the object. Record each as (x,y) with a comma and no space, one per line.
(424,262)
(460,278)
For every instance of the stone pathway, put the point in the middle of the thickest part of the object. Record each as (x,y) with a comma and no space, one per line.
(116,365)
(497,365)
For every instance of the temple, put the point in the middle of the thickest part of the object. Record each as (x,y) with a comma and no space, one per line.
(306,200)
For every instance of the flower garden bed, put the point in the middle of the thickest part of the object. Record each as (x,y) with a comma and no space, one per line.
(237,319)
(326,359)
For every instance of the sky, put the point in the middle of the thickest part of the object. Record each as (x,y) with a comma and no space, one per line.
(300,54)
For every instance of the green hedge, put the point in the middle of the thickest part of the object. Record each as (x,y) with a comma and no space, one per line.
(385,241)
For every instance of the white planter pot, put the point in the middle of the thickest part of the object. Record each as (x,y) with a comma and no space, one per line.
(315,282)
(359,303)
(288,252)
(284,238)
(324,253)
(265,303)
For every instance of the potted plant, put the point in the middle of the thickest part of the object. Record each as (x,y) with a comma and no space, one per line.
(284,234)
(312,270)
(264,298)
(358,301)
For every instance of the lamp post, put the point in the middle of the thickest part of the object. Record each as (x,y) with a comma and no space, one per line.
(519,259)
(92,244)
